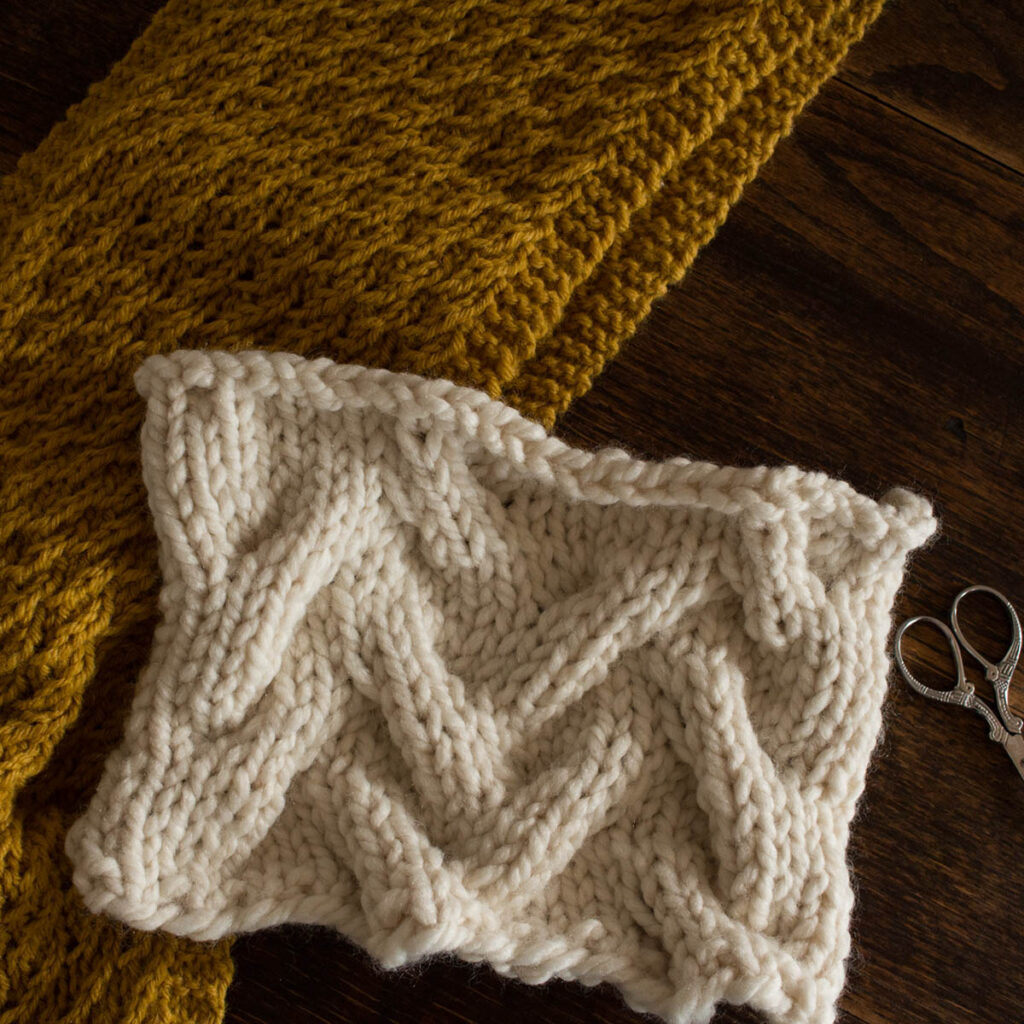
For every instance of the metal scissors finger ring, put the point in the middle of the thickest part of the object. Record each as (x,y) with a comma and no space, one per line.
(1000,673)
(1004,726)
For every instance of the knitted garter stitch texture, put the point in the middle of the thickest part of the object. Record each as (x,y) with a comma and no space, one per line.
(429,675)
(490,192)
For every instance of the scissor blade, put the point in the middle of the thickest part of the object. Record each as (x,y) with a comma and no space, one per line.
(1014,745)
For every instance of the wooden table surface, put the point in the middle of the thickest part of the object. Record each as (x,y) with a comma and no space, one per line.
(862,312)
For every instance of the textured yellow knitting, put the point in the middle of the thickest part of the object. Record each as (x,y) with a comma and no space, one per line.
(494,192)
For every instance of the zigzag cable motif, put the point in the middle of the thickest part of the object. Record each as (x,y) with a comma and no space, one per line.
(487,191)
(429,675)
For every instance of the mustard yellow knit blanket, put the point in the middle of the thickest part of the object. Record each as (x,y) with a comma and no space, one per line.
(488,191)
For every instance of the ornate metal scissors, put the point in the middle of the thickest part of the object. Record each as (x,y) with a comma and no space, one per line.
(1006,728)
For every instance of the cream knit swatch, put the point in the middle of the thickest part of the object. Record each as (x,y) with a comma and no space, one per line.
(433,677)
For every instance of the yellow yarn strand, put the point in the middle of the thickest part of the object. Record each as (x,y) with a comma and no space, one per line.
(487,191)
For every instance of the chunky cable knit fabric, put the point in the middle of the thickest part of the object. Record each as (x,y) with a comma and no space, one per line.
(431,676)
(486,191)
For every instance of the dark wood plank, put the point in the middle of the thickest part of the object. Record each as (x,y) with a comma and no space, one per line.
(312,976)
(51,51)
(957,66)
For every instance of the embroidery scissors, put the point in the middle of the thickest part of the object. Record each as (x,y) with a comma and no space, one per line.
(1003,725)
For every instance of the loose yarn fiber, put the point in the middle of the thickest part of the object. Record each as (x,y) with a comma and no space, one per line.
(489,192)
(429,675)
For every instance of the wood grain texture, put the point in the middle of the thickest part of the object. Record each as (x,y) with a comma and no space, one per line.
(956,65)
(862,312)
(51,51)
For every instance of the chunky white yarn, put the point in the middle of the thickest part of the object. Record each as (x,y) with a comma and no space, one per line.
(433,677)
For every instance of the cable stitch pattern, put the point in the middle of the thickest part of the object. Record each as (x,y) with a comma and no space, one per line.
(431,676)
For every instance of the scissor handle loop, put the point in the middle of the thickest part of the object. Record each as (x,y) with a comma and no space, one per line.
(998,673)
(963,692)
(1012,655)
